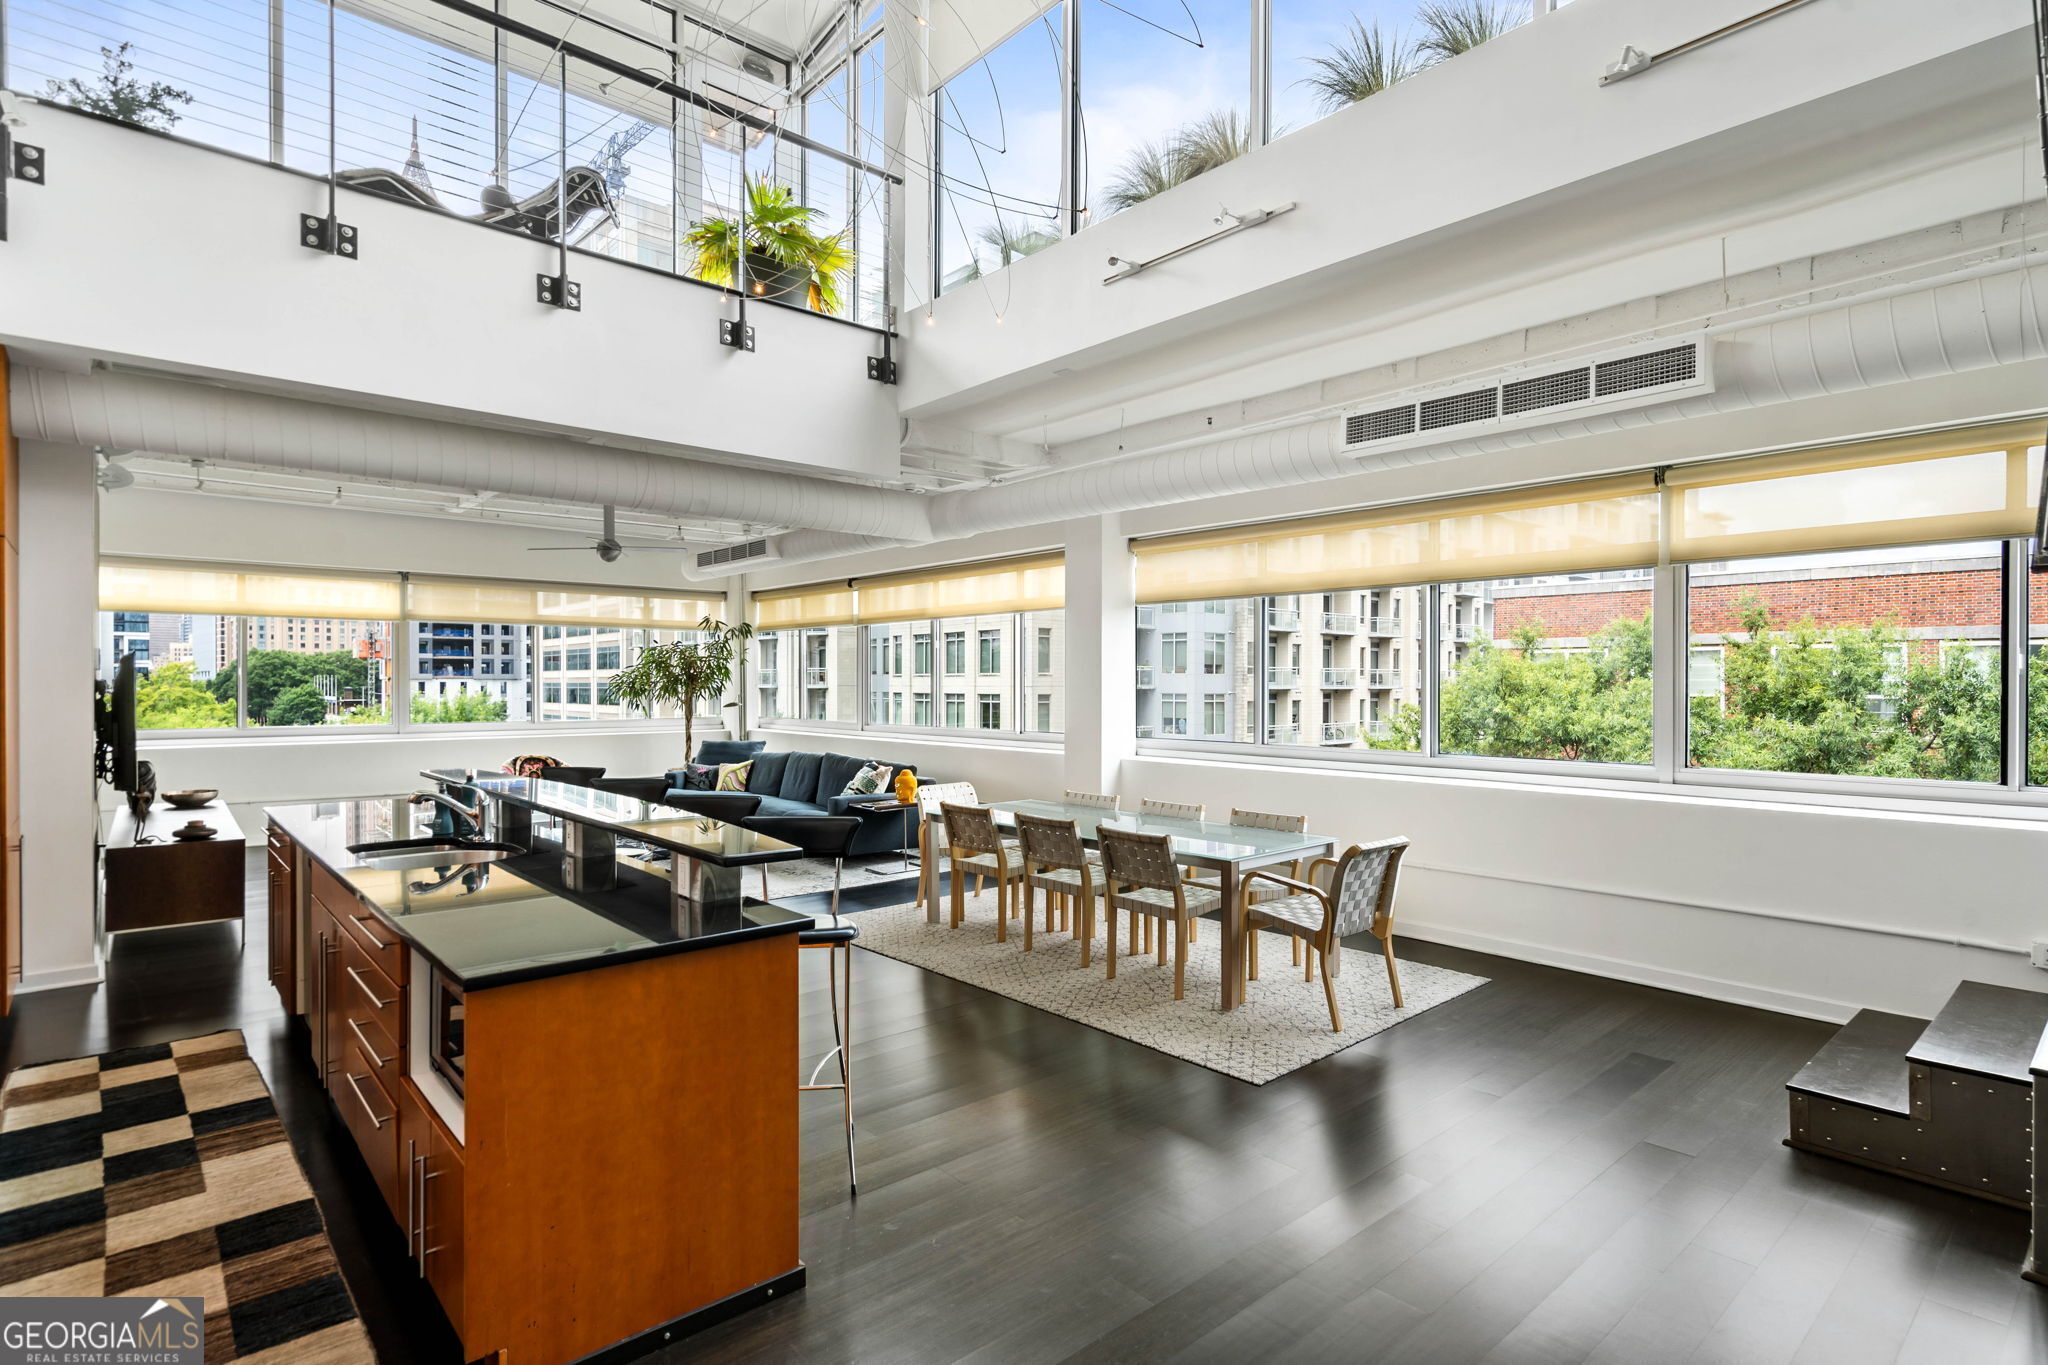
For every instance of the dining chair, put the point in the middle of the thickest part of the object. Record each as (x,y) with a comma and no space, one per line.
(1144,880)
(1056,862)
(1173,810)
(929,799)
(1254,819)
(1091,799)
(974,845)
(1358,899)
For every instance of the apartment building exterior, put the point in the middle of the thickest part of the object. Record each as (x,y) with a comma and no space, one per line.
(450,658)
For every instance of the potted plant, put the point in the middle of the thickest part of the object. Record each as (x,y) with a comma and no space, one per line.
(785,254)
(681,672)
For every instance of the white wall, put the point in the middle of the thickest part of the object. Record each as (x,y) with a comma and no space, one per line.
(59,877)
(437,315)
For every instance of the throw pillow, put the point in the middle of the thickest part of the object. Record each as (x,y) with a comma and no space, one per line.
(700,777)
(732,777)
(869,780)
(529,765)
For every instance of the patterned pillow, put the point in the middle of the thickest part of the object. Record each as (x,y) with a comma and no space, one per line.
(700,777)
(870,779)
(529,765)
(732,777)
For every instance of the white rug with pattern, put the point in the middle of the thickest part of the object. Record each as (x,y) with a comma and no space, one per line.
(1283,1026)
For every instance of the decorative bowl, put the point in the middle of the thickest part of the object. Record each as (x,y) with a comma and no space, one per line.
(194,832)
(190,800)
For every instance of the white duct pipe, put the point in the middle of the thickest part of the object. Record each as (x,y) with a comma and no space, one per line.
(235,427)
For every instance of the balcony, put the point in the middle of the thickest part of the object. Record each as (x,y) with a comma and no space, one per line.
(1340,623)
(1148,617)
(1282,734)
(1376,729)
(1460,631)
(817,677)
(1384,677)
(1340,677)
(1336,732)
(1277,619)
(767,677)
(1279,679)
(1144,732)
(1384,625)
(1145,676)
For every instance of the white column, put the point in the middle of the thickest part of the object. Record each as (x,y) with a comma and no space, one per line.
(59,605)
(1101,657)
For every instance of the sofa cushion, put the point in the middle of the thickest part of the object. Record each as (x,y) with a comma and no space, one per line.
(834,772)
(800,778)
(694,777)
(716,751)
(732,777)
(776,805)
(766,778)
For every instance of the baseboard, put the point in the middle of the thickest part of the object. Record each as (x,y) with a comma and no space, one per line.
(62,978)
(1641,973)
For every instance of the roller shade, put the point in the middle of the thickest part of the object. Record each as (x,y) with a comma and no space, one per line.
(1969,485)
(1038,583)
(957,36)
(224,590)
(821,604)
(1596,524)
(459,599)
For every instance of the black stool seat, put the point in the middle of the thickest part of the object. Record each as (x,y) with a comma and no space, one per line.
(828,929)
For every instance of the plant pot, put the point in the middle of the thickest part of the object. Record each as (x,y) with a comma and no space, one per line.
(768,278)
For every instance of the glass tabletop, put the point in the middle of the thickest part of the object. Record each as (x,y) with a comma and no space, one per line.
(685,832)
(1194,839)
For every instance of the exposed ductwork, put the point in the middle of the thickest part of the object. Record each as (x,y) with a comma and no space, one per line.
(259,431)
(1973,319)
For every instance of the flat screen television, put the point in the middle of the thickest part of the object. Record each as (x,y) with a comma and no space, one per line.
(114,728)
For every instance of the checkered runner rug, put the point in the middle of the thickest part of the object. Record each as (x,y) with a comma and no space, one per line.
(165,1171)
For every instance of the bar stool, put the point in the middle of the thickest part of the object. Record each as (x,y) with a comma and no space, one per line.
(827,836)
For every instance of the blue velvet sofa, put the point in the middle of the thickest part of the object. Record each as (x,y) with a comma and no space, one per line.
(798,783)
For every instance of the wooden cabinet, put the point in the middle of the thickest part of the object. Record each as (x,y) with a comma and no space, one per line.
(284,918)
(154,881)
(434,1200)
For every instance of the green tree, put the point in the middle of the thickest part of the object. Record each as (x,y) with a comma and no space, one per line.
(681,672)
(117,94)
(462,708)
(299,704)
(274,671)
(169,699)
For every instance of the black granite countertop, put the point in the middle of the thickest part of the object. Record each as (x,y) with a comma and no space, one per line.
(650,822)
(494,924)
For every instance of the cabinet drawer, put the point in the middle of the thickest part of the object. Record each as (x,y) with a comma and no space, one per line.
(367,993)
(364,1031)
(364,928)
(372,1119)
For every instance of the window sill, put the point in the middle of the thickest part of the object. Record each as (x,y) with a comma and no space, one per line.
(952,739)
(385,734)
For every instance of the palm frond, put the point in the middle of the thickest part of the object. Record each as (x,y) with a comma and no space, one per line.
(1366,62)
(1450,27)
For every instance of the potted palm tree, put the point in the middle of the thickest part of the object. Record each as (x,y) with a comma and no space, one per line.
(682,672)
(786,256)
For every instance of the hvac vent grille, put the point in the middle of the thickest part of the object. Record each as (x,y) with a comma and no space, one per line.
(1546,391)
(1379,426)
(732,554)
(1455,409)
(1675,365)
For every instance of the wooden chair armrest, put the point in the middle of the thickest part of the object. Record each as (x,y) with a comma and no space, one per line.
(1263,875)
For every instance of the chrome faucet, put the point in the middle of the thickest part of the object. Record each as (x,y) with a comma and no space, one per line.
(471,883)
(472,816)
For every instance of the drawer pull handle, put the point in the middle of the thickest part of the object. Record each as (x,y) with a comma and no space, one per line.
(357,977)
(363,922)
(361,1099)
(357,1029)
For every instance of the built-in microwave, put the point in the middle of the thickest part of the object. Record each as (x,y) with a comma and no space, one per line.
(444,1024)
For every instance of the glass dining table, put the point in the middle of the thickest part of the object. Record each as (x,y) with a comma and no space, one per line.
(1231,850)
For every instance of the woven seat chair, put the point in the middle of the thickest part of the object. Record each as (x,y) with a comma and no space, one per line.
(974,845)
(1144,881)
(1056,862)
(1255,819)
(1359,898)
(1171,810)
(1091,799)
(929,799)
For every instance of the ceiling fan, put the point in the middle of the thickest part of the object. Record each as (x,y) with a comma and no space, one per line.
(608,545)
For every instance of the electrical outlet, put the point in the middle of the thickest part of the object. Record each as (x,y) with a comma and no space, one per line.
(2040,954)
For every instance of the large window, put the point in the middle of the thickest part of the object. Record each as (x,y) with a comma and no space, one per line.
(998,188)
(471,671)
(1330,54)
(1873,663)
(301,671)
(812,673)
(186,677)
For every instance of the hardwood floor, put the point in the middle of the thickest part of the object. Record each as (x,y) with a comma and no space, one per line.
(1553,1168)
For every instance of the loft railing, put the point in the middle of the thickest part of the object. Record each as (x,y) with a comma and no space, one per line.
(601,142)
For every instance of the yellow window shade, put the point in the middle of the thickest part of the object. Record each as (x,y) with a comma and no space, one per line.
(820,604)
(459,599)
(1958,485)
(140,585)
(1037,583)
(1597,524)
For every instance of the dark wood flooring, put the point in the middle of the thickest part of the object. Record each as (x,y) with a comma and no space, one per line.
(1553,1168)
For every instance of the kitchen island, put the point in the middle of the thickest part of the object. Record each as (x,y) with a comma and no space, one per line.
(574,1084)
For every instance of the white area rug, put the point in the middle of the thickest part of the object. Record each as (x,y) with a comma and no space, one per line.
(1283,1026)
(807,876)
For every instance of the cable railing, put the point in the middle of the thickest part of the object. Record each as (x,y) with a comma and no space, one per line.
(601,142)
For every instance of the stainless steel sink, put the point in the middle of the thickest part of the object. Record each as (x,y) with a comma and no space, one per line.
(406,854)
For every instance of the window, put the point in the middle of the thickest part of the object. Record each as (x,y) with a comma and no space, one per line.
(997,191)
(578,693)
(991,711)
(608,658)
(1042,713)
(468,685)
(578,660)
(1875,663)
(825,681)
(551,692)
(956,710)
(1044,637)
(300,671)
(1047,715)
(551,660)
(1215,717)
(956,652)
(187,681)
(921,708)
(991,658)
(1173,652)
(1215,648)
(1163,632)
(921,654)
(1173,714)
